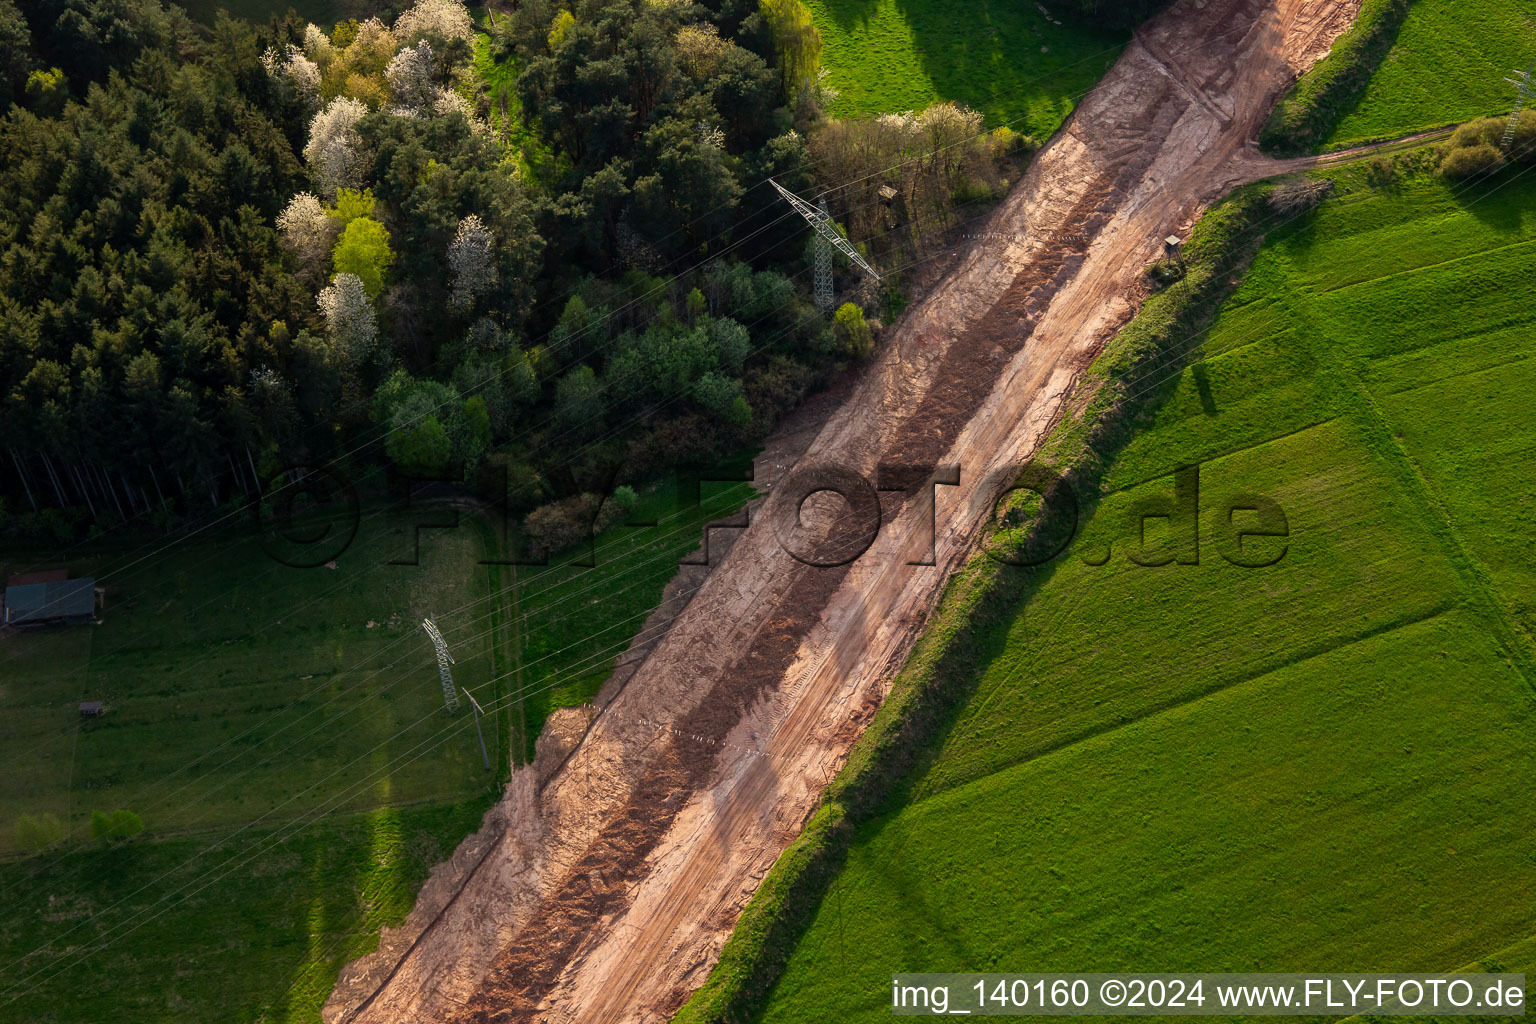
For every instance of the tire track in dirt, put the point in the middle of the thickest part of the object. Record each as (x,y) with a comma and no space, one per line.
(613,884)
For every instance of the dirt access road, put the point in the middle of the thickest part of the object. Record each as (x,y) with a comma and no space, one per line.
(602,887)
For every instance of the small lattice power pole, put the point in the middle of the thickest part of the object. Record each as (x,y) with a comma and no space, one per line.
(828,238)
(444,659)
(1522,84)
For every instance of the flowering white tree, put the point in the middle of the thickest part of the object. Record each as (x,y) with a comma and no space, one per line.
(317,45)
(334,145)
(349,318)
(448,102)
(410,75)
(295,71)
(307,230)
(471,260)
(373,37)
(446,19)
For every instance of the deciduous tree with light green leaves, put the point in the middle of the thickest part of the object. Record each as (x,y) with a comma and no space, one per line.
(798,41)
(853,331)
(363,249)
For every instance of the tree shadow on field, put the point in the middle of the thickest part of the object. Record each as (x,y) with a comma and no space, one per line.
(1008,60)
(1003,58)
(1501,201)
(848,13)
(1353,84)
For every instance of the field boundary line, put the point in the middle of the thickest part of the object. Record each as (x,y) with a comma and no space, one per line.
(1428,266)
(1223,454)
(1500,365)
(1357,401)
(1167,707)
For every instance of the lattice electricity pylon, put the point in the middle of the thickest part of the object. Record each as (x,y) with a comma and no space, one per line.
(1522,83)
(444,659)
(826,229)
(821,277)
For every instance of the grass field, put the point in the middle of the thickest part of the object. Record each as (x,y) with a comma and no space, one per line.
(1446,66)
(1007,60)
(241,938)
(281,733)
(1320,765)
(262,684)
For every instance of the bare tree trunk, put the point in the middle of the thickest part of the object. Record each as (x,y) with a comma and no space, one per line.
(111,490)
(80,483)
(21,474)
(156,480)
(54,478)
(133,501)
(234,473)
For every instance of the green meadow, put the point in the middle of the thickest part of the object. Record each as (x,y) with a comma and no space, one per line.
(1009,61)
(1322,764)
(282,734)
(1446,66)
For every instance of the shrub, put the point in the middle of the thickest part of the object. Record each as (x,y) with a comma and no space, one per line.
(1007,142)
(1484,130)
(1294,197)
(1523,146)
(852,331)
(1471,162)
(625,497)
(36,832)
(561,524)
(1489,131)
(1162,273)
(115,827)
